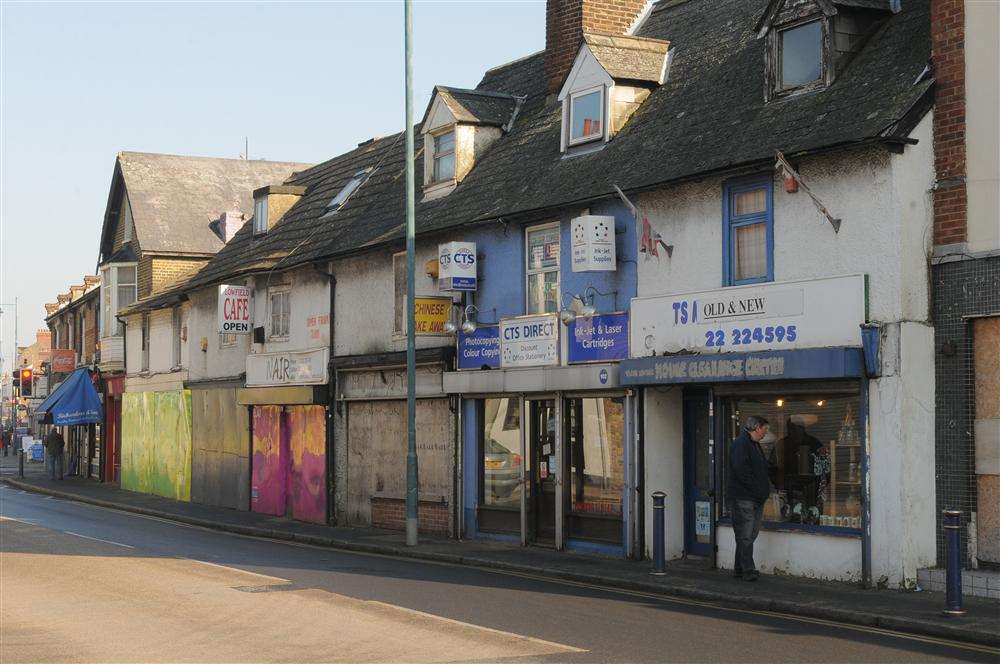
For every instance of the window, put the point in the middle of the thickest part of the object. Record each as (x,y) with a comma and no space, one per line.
(260,215)
(814,453)
(801,55)
(118,290)
(399,294)
(227,340)
(542,268)
(586,116)
(175,335)
(144,343)
(280,314)
(349,188)
(595,436)
(748,233)
(501,450)
(444,157)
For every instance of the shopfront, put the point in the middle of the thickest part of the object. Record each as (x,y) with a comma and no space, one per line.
(816,520)
(548,448)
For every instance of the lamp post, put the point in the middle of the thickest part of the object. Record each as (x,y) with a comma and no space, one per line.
(412,473)
(13,400)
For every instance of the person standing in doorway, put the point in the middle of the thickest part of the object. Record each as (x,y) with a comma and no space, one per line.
(54,446)
(748,488)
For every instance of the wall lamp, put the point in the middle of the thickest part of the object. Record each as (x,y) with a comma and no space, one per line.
(468,325)
(586,309)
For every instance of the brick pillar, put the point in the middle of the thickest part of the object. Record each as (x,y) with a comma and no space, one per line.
(567,20)
(948,58)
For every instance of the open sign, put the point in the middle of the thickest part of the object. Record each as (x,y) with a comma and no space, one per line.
(235,310)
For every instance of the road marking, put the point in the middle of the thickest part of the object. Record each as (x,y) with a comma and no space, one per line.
(25,521)
(98,539)
(490,630)
(236,569)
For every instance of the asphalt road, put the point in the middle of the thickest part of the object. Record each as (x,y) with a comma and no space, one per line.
(82,583)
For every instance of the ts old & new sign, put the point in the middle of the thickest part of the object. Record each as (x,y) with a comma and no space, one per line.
(235,310)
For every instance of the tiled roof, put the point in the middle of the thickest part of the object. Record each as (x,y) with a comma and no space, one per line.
(629,58)
(709,116)
(478,106)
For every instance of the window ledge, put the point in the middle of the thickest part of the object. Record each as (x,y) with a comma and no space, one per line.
(806,528)
(439,189)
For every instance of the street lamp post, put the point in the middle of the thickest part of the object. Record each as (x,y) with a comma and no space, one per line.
(13,400)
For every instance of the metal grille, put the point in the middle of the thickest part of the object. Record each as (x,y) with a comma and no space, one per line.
(961,289)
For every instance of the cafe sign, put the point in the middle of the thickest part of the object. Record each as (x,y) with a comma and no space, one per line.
(529,341)
(235,309)
(308,367)
(814,313)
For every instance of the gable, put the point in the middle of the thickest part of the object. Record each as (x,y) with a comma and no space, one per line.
(438,116)
(586,72)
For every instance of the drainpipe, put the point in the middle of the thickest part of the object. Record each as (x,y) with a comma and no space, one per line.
(331,398)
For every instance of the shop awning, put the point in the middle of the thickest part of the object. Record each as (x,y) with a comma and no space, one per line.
(75,401)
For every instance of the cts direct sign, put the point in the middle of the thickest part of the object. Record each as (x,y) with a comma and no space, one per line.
(530,331)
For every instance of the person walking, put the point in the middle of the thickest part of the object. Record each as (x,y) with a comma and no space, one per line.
(749,487)
(54,446)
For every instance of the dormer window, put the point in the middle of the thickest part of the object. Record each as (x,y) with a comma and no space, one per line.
(260,215)
(586,115)
(801,55)
(349,188)
(444,157)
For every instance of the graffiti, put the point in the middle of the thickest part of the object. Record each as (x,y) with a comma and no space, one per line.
(289,462)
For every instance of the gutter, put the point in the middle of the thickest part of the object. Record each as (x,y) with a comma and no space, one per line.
(331,460)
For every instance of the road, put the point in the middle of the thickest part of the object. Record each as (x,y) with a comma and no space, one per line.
(87,584)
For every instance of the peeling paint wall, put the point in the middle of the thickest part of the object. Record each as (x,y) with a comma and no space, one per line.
(156,443)
(289,462)
(220,454)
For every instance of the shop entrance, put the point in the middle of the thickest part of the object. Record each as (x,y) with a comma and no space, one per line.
(698,490)
(544,470)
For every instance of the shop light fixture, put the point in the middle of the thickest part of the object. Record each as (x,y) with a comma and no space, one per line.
(467,325)
(586,309)
(780,402)
(820,402)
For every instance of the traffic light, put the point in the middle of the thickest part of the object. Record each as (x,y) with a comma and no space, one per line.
(26,382)
(16,380)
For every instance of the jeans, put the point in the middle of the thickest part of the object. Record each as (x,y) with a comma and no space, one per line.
(747,516)
(54,464)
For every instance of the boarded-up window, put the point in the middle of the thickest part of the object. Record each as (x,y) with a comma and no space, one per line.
(399,293)
(986,351)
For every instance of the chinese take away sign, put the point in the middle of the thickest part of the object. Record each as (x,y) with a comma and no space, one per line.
(430,314)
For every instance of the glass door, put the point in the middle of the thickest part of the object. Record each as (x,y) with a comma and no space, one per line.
(698,520)
(545,468)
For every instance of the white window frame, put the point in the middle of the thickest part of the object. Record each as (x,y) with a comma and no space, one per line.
(573,96)
(176,323)
(348,190)
(272,335)
(110,327)
(227,340)
(434,158)
(144,342)
(529,272)
(260,215)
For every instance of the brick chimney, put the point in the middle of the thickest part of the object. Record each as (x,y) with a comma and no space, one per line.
(948,61)
(230,222)
(567,20)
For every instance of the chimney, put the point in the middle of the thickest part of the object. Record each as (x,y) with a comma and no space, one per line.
(567,20)
(230,222)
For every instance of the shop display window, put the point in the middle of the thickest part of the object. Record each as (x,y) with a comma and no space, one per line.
(595,436)
(814,454)
(502,462)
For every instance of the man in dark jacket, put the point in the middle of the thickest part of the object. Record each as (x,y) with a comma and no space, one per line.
(54,445)
(748,488)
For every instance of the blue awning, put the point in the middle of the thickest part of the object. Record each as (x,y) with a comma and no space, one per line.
(75,401)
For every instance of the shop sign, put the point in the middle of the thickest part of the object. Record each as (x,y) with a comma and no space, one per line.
(529,341)
(457,266)
(388,383)
(430,314)
(62,360)
(793,314)
(599,338)
(479,349)
(593,243)
(235,310)
(307,367)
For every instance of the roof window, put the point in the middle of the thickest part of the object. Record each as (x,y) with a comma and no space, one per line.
(260,215)
(344,194)
(801,55)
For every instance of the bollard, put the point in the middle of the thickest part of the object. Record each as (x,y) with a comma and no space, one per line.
(659,516)
(953,574)
(20,464)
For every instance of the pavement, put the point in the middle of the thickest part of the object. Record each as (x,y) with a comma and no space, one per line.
(908,612)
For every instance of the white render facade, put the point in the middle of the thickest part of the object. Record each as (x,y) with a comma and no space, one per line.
(884,202)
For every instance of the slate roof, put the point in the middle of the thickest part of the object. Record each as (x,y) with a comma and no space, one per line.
(708,117)
(478,106)
(173,198)
(628,58)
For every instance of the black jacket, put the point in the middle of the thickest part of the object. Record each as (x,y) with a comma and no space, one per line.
(747,471)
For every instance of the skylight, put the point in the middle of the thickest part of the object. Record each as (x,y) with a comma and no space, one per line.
(349,188)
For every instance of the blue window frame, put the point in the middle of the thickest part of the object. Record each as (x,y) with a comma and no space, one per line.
(748,230)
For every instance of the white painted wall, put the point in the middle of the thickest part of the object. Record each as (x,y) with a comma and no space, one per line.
(310,301)
(664,464)
(365,303)
(216,361)
(885,205)
(982,138)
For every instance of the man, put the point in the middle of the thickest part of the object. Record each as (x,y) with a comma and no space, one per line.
(54,445)
(748,488)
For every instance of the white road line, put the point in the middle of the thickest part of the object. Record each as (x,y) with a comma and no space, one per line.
(500,632)
(237,569)
(10,518)
(98,539)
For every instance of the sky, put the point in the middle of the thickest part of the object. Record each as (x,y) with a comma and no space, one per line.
(303,82)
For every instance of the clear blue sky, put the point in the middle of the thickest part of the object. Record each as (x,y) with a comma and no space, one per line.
(304,81)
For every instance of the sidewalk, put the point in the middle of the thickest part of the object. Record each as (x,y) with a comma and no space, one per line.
(917,612)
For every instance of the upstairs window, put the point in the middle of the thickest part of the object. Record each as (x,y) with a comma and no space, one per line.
(144,344)
(542,261)
(586,116)
(281,309)
(260,215)
(748,232)
(176,325)
(349,188)
(801,55)
(444,157)
(118,290)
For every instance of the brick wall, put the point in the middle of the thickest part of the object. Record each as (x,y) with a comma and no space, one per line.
(390,513)
(567,20)
(167,271)
(948,57)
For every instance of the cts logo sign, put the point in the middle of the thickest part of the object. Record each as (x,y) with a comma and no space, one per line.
(465,258)
(444,259)
(457,266)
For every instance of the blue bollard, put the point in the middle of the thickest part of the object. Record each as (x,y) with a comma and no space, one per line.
(659,545)
(953,574)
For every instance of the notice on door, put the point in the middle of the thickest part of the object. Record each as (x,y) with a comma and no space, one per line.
(703,518)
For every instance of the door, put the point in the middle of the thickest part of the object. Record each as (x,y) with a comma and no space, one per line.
(545,468)
(268,467)
(307,450)
(698,521)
